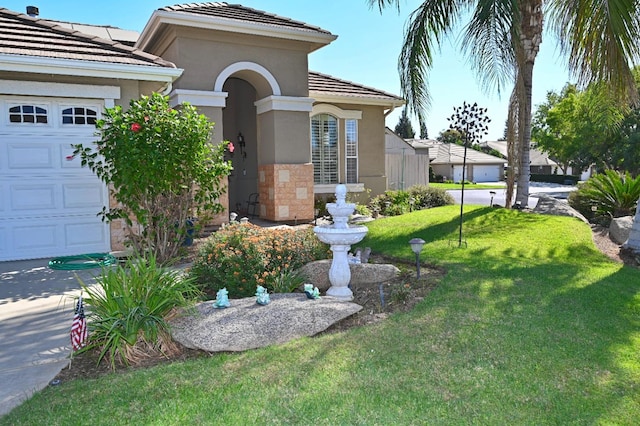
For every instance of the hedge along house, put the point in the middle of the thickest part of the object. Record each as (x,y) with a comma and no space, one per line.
(54,83)
(297,133)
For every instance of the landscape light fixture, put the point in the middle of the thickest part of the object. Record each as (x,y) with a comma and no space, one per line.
(416,247)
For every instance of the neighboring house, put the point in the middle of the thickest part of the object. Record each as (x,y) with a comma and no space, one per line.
(539,161)
(447,160)
(405,166)
(298,133)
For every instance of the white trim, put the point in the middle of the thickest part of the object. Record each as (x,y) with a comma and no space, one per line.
(361,100)
(39,65)
(330,188)
(198,98)
(283,103)
(247,66)
(336,112)
(59,90)
(160,17)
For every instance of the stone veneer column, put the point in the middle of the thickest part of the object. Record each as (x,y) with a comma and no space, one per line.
(286,192)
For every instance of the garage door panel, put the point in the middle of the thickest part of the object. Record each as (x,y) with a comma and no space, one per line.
(32,197)
(30,236)
(31,156)
(48,237)
(85,235)
(83,196)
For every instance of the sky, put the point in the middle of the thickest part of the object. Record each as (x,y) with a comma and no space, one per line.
(366,50)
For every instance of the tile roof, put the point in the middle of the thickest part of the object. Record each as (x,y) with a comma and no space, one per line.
(238,12)
(26,36)
(329,85)
(536,157)
(451,153)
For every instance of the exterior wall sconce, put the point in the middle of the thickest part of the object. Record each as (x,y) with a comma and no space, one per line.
(242,145)
(416,247)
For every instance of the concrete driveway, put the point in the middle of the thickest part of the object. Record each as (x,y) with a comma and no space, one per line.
(483,196)
(36,311)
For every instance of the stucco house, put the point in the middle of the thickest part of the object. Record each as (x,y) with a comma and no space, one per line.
(447,160)
(299,133)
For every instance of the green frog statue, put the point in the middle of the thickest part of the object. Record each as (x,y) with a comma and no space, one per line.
(262,296)
(222,299)
(311,291)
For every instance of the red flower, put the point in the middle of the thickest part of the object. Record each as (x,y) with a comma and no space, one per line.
(231,147)
(70,157)
(135,127)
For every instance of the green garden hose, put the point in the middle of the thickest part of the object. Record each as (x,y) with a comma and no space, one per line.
(82,261)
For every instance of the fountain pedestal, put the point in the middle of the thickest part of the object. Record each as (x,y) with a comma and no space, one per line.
(340,236)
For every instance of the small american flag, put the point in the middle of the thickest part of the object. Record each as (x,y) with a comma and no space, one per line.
(79,327)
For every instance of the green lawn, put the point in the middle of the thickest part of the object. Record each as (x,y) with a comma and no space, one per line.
(531,325)
(469,186)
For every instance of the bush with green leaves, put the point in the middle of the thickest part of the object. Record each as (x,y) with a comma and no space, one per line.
(243,256)
(607,195)
(129,308)
(162,169)
(417,197)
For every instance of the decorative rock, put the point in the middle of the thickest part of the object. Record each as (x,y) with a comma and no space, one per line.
(553,206)
(318,273)
(633,242)
(246,325)
(620,229)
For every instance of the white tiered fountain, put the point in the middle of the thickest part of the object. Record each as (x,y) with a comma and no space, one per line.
(340,236)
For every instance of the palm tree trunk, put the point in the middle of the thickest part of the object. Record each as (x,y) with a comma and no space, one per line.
(530,39)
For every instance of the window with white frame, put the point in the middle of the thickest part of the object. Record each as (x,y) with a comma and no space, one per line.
(351,150)
(28,114)
(324,148)
(79,116)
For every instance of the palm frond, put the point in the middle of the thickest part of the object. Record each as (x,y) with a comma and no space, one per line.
(382,4)
(489,42)
(427,27)
(600,38)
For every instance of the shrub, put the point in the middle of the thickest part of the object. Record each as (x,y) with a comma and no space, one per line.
(611,194)
(163,170)
(363,210)
(129,308)
(242,256)
(417,197)
(427,197)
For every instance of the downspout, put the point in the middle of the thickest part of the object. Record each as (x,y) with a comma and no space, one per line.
(402,173)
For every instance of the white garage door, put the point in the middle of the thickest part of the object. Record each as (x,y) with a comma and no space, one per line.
(48,204)
(486,173)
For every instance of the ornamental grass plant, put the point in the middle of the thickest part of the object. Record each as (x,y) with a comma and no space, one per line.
(242,256)
(129,308)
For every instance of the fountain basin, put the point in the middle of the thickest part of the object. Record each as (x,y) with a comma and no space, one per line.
(342,236)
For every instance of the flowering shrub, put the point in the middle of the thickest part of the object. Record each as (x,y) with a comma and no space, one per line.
(242,256)
(162,167)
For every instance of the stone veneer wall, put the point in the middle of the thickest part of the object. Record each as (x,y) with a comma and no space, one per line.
(286,192)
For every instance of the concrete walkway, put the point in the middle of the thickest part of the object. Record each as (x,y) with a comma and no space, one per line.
(36,311)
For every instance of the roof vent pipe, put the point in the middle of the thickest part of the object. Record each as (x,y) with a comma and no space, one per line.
(33,11)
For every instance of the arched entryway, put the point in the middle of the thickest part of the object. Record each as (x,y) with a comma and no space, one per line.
(239,127)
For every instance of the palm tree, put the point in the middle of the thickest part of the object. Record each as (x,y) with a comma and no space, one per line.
(502,38)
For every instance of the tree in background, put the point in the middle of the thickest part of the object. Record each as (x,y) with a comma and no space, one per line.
(404,128)
(450,136)
(424,133)
(502,38)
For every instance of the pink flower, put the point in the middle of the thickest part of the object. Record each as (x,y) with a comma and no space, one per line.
(135,127)
(146,118)
(231,147)
(70,157)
